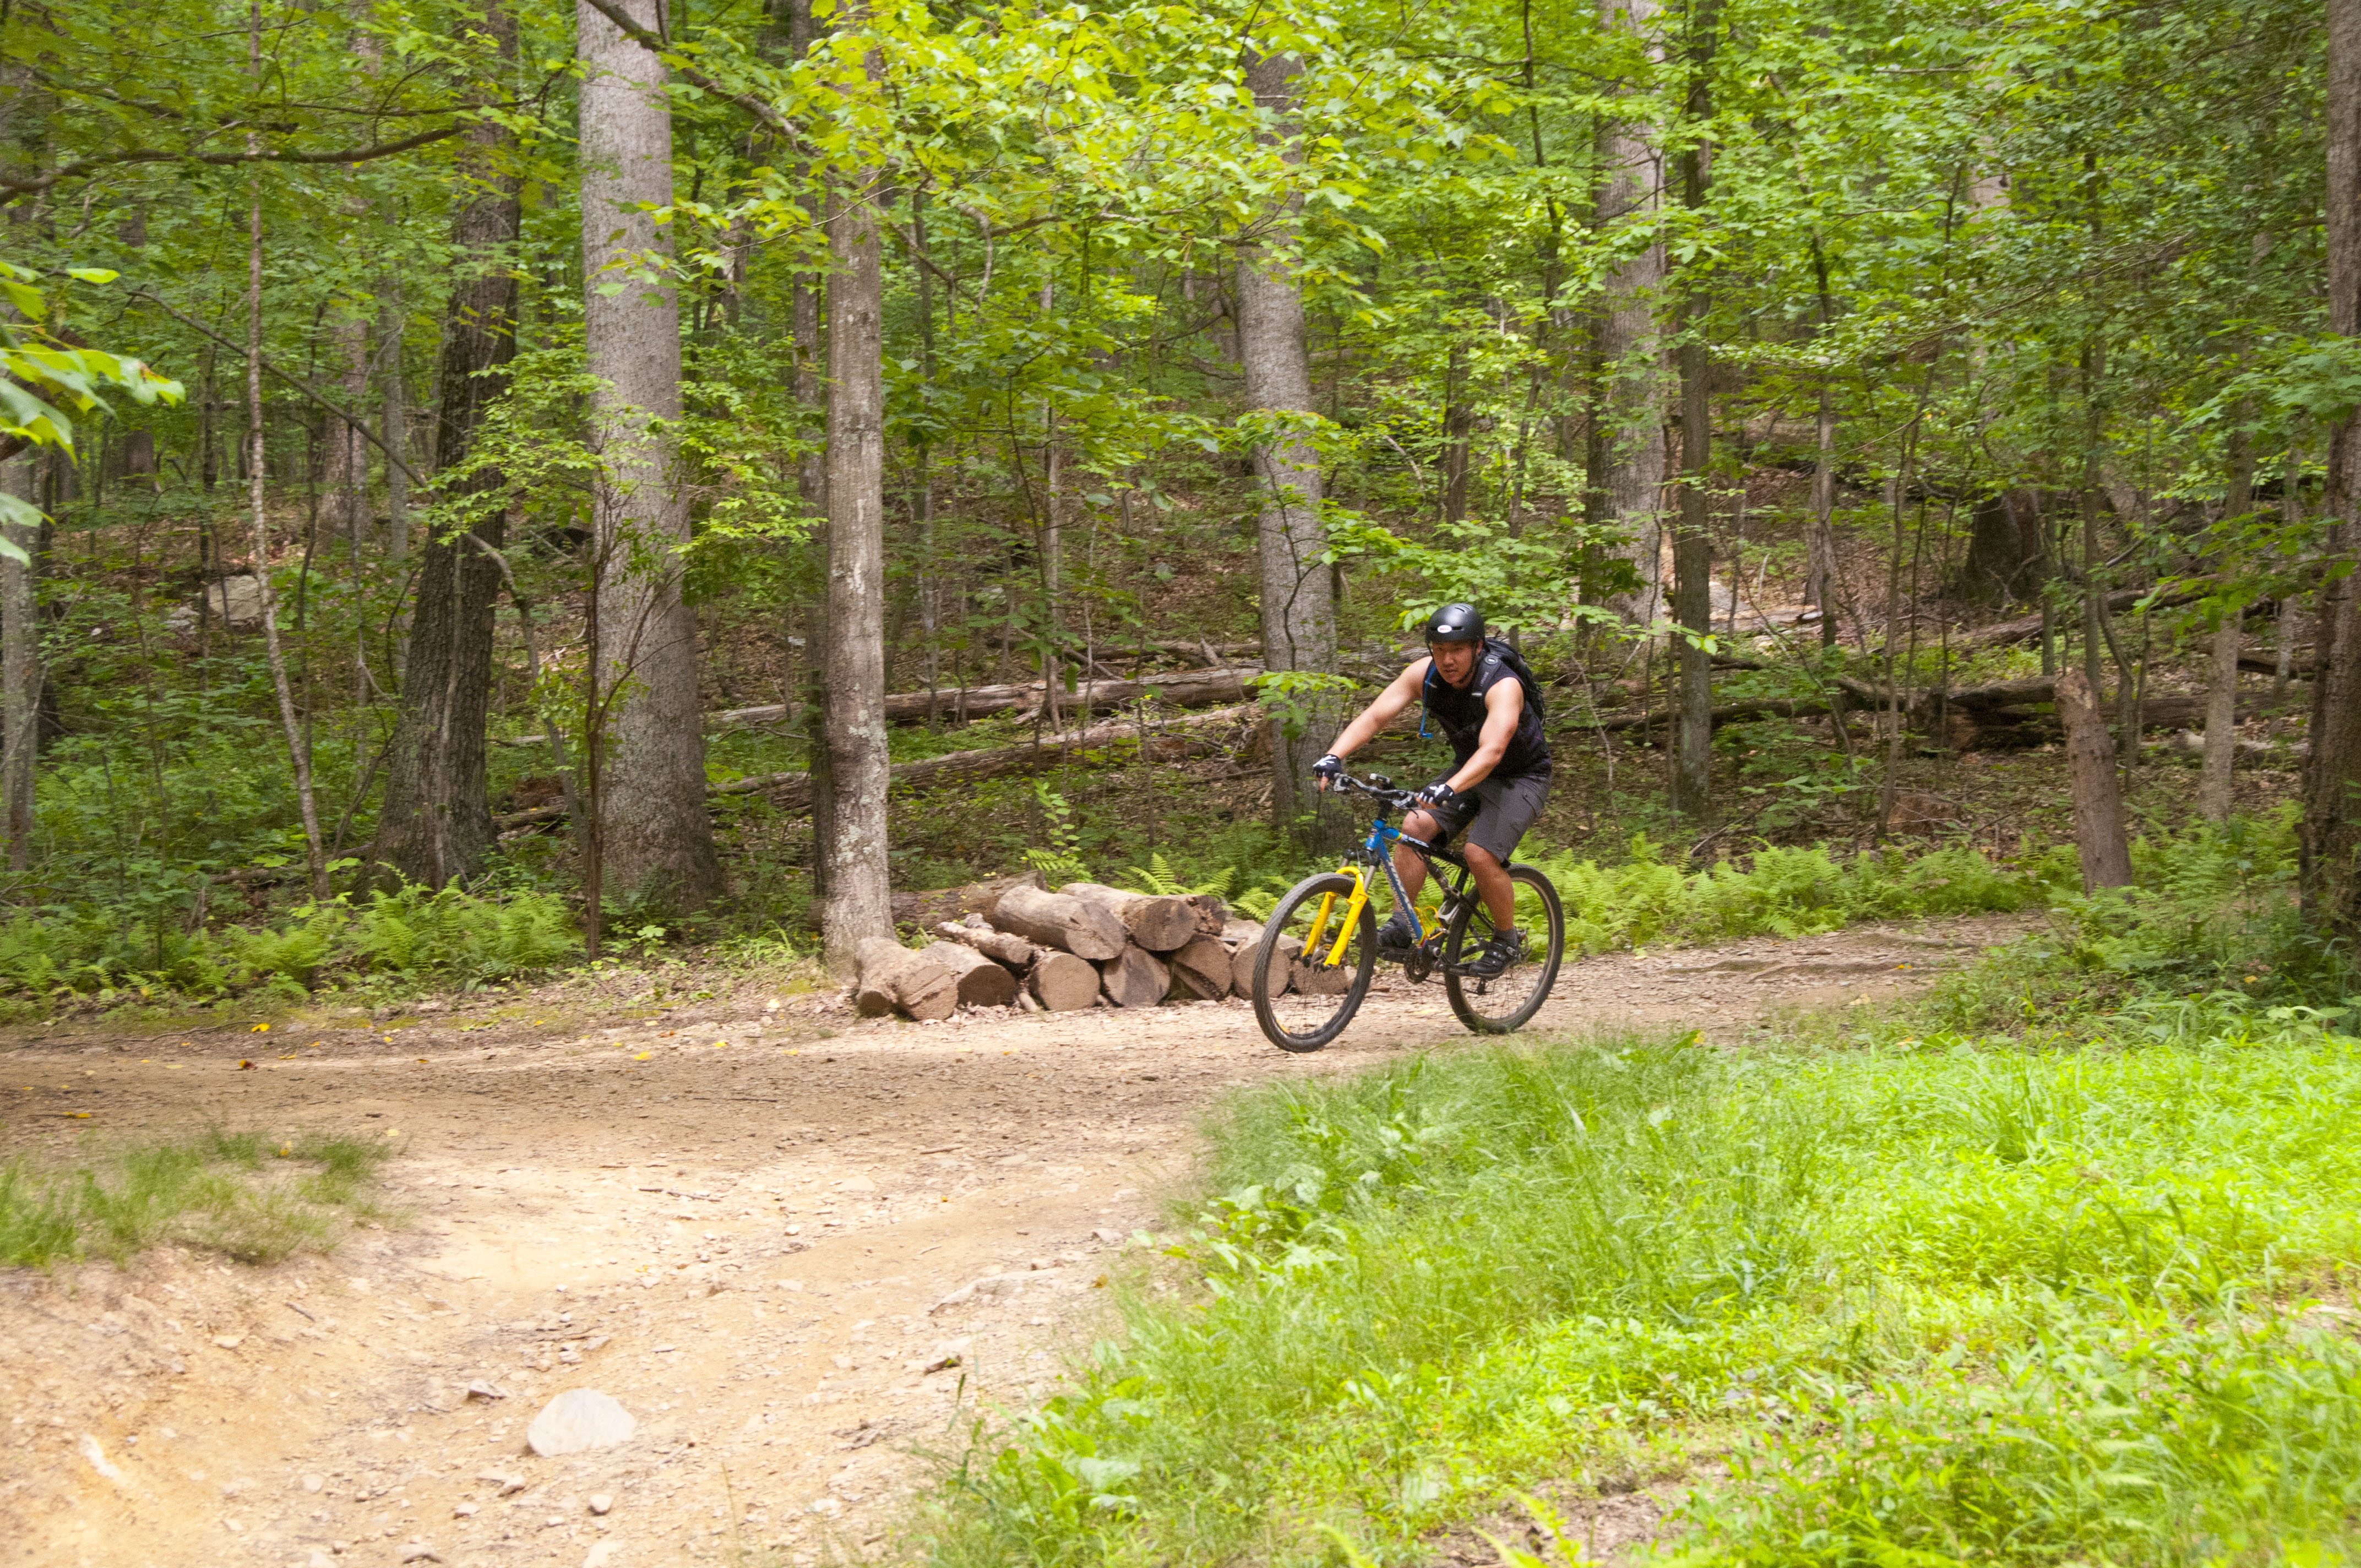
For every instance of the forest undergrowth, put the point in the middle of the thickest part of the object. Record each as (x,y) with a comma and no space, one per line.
(105,953)
(109,955)
(2047,1265)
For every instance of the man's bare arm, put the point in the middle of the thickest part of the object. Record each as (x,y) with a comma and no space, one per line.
(1502,704)
(1398,695)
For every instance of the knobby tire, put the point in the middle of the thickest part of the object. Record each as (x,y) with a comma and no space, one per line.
(1458,948)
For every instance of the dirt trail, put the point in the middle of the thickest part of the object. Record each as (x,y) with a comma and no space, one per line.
(795,1258)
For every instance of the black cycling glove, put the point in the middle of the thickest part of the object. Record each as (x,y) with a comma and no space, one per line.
(1329,769)
(1438,794)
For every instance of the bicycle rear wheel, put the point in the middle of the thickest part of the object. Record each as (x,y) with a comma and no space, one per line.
(1507,1000)
(1302,1001)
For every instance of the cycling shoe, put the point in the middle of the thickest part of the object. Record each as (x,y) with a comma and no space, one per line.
(1498,955)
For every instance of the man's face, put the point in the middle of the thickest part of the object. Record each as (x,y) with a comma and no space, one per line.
(1455,662)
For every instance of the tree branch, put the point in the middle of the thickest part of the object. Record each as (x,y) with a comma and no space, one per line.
(656,44)
(16,188)
(292,380)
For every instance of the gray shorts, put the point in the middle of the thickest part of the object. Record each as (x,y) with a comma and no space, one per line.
(1502,810)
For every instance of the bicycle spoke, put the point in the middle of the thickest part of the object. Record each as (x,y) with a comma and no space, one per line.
(1319,965)
(1497,1003)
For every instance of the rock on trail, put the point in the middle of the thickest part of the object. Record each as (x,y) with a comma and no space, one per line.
(579,1420)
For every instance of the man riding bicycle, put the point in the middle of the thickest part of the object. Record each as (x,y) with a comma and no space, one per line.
(1474,691)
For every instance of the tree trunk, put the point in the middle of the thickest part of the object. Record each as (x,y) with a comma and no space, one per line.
(804,301)
(858,904)
(1298,609)
(2222,678)
(436,823)
(658,835)
(1458,424)
(2094,608)
(2284,613)
(1003,948)
(2331,837)
(1158,922)
(891,977)
(1693,545)
(1626,452)
(2003,547)
(2098,802)
(344,472)
(807,694)
(1203,970)
(1061,983)
(1821,539)
(1052,556)
(298,752)
(20,669)
(982,981)
(394,424)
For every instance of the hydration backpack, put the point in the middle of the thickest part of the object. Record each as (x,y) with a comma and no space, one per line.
(1525,677)
(1511,660)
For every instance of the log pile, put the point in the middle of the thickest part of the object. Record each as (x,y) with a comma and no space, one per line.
(1083,944)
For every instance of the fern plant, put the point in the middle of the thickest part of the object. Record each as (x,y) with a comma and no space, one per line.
(1157,876)
(1059,861)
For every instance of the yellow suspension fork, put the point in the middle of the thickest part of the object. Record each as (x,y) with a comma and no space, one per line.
(1357,901)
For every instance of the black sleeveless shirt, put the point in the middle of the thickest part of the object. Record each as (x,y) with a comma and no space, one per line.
(1460,714)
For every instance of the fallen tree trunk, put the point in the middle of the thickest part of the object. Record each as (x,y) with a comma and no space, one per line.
(931,908)
(1169,741)
(1729,713)
(1183,688)
(1059,920)
(1155,921)
(1002,946)
(2024,629)
(2258,753)
(1985,704)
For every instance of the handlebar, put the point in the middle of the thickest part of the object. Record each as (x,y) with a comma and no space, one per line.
(1379,789)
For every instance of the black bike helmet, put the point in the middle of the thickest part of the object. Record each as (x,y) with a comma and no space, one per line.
(1456,623)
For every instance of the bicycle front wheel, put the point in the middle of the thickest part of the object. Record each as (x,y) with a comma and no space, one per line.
(1301,1000)
(1507,1000)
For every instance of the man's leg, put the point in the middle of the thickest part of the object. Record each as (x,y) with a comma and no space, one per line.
(1422,826)
(1492,882)
(1509,807)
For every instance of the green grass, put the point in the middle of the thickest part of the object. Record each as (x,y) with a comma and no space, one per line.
(251,1197)
(1952,1286)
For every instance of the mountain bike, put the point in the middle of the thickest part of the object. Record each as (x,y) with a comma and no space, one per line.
(1319,949)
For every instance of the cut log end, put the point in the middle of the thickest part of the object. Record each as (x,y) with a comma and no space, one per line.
(1135,978)
(980,982)
(1061,983)
(1201,971)
(894,979)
